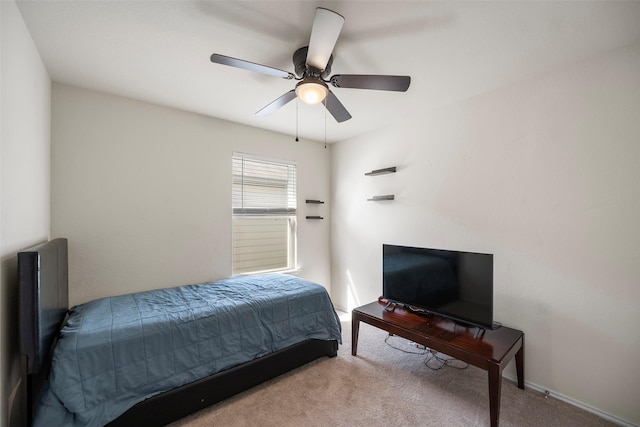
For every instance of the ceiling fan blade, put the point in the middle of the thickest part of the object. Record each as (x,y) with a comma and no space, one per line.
(251,66)
(335,107)
(325,31)
(273,106)
(364,81)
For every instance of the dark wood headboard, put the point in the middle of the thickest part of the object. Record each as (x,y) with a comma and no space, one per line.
(43,283)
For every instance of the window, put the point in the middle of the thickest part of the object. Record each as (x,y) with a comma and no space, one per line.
(264,214)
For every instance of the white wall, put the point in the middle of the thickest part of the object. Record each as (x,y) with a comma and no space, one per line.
(143,193)
(545,175)
(24,179)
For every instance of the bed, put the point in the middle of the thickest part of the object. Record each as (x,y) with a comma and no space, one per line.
(153,357)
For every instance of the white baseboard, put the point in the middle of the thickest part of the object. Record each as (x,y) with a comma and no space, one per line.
(577,403)
(339,308)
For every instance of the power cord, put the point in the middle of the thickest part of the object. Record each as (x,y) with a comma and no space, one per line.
(434,360)
(422,351)
(442,360)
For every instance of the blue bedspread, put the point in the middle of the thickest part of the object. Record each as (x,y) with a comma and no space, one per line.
(117,351)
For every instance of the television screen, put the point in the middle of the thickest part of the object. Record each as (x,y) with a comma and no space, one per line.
(454,284)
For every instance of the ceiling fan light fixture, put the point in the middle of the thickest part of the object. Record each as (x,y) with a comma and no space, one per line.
(312,91)
(312,65)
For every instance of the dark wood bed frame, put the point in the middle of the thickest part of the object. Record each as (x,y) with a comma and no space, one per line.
(44,302)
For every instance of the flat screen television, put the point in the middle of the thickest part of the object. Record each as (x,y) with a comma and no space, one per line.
(454,284)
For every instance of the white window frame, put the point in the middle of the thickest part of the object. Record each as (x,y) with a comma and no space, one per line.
(264,207)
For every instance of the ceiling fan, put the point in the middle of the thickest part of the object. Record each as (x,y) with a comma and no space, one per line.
(312,65)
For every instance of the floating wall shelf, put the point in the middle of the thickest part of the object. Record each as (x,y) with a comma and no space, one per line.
(381,171)
(314,202)
(380,198)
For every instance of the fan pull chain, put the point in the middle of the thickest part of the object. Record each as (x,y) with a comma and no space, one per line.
(296,119)
(325,123)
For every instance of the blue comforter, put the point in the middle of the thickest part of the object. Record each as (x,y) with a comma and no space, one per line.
(117,351)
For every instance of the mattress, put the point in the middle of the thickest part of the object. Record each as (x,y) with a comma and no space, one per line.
(115,352)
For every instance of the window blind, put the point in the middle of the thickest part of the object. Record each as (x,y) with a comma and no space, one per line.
(263,187)
(264,209)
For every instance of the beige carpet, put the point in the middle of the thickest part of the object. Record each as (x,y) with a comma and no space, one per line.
(383,386)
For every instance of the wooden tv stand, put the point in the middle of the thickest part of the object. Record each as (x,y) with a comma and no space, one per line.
(492,350)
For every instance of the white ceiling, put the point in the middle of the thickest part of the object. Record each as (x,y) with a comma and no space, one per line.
(158,51)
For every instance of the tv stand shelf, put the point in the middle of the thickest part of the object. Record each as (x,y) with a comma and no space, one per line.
(490,351)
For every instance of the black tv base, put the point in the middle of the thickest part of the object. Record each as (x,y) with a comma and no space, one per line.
(492,350)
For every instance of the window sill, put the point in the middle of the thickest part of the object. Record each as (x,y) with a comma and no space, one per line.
(294,271)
